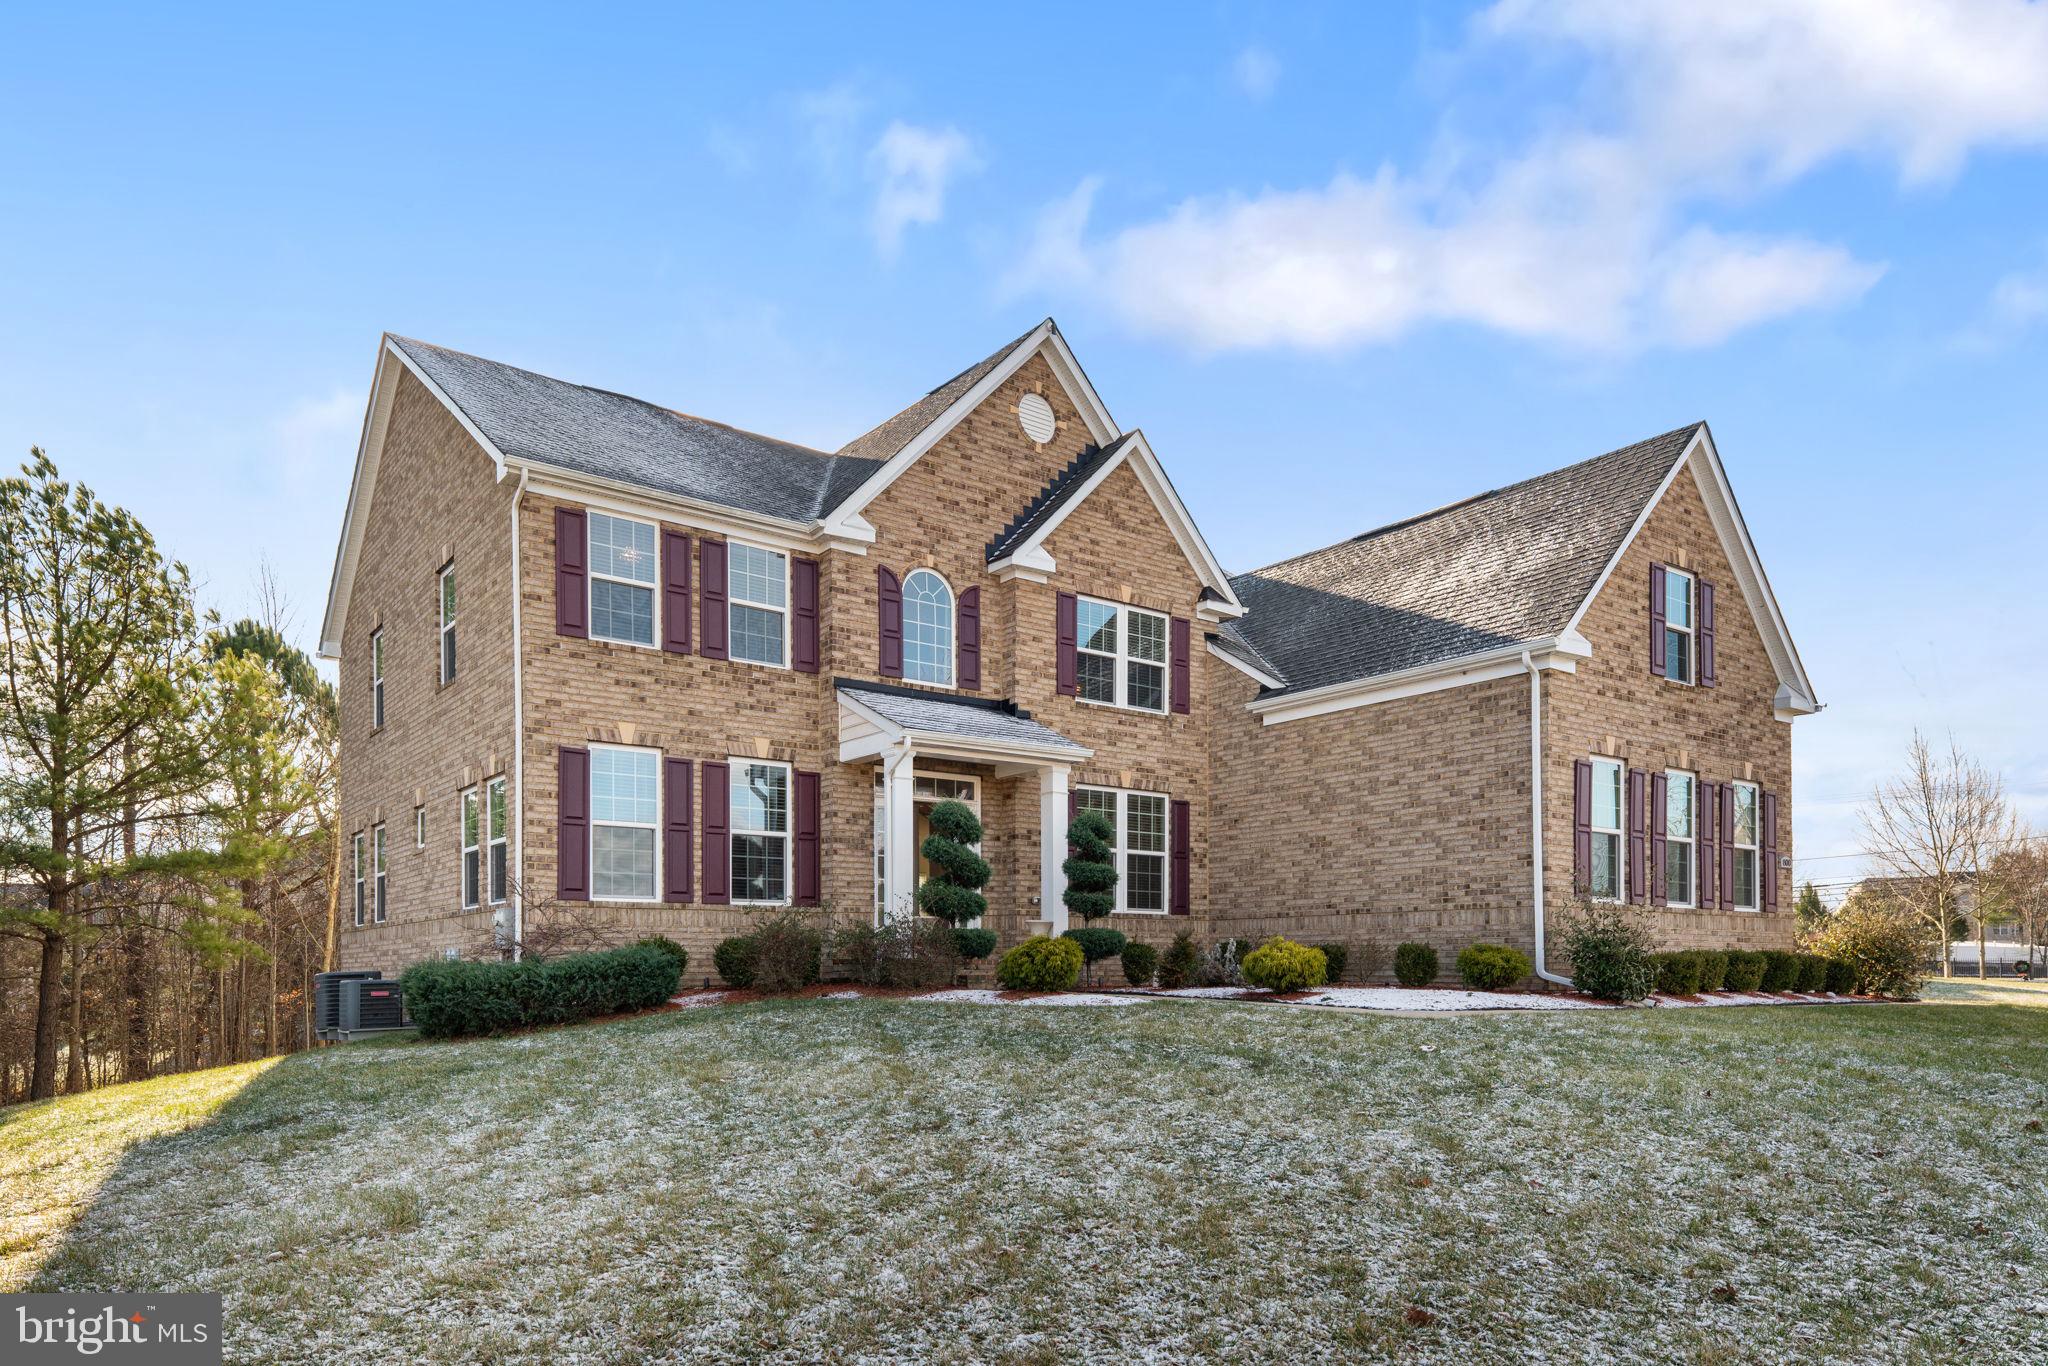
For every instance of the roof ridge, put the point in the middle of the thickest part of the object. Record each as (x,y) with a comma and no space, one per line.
(985,364)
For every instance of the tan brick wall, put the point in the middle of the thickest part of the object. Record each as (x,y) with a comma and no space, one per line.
(1613,705)
(435,501)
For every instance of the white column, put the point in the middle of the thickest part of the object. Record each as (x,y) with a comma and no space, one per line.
(1052,845)
(899,826)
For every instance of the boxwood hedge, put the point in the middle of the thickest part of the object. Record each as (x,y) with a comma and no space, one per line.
(453,999)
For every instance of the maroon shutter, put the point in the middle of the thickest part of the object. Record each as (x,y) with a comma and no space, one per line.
(711,618)
(1180,666)
(1708,831)
(1657,620)
(572,596)
(1726,817)
(679,796)
(809,816)
(1068,627)
(1706,634)
(717,835)
(967,630)
(1768,855)
(1582,826)
(1073,810)
(675,592)
(572,824)
(803,597)
(888,623)
(1638,860)
(1660,806)
(1183,860)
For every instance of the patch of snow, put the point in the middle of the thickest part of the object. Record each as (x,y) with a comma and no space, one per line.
(1444,998)
(701,998)
(842,996)
(1198,993)
(983,996)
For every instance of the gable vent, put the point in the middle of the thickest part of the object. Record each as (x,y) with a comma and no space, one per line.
(1034,414)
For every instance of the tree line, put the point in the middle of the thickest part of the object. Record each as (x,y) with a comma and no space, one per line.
(169,864)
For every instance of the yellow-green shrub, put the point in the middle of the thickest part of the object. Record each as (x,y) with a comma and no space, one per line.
(1041,964)
(1282,965)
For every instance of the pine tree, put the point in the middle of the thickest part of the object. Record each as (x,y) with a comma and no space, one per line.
(1809,910)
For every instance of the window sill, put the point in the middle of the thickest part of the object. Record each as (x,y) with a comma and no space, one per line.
(1120,706)
(596,639)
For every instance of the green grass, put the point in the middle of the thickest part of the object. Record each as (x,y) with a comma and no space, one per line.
(886,1179)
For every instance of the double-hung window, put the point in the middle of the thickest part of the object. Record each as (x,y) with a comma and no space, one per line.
(471,868)
(622,569)
(362,867)
(1743,890)
(448,623)
(625,814)
(1137,821)
(1120,655)
(383,896)
(1609,883)
(757,595)
(1681,811)
(927,629)
(1678,626)
(759,823)
(377,679)
(494,831)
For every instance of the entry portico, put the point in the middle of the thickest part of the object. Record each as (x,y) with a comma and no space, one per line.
(899,726)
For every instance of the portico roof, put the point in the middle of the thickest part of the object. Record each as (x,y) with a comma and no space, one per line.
(876,716)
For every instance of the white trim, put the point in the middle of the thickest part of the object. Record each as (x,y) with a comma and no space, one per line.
(652,587)
(419,826)
(883,736)
(484,864)
(1559,655)
(445,643)
(1756,850)
(787,834)
(1120,818)
(1691,841)
(639,502)
(380,868)
(377,679)
(1121,659)
(1619,830)
(1536,869)
(733,599)
(952,653)
(654,827)
(360,910)
(463,800)
(517,919)
(1245,667)
(1690,630)
(1029,557)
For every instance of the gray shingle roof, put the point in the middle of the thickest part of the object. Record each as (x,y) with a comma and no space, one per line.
(1507,566)
(611,436)
(1237,647)
(962,717)
(1054,496)
(880,443)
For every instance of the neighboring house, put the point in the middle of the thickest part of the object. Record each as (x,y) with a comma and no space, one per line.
(601,652)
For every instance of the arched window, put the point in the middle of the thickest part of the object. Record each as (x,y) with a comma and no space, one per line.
(927,629)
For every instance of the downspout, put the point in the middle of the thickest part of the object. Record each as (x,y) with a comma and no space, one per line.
(518,815)
(1536,813)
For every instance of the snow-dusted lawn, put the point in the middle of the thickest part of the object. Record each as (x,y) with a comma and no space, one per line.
(922,1181)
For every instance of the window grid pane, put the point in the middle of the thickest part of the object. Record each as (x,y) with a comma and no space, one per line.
(1148,636)
(1745,815)
(1145,882)
(621,549)
(760,799)
(622,862)
(1095,677)
(1145,687)
(1097,627)
(927,629)
(757,576)
(621,611)
(1607,866)
(1678,807)
(756,635)
(1606,796)
(622,785)
(757,862)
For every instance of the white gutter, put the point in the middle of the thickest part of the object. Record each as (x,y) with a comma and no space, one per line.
(1536,811)
(518,814)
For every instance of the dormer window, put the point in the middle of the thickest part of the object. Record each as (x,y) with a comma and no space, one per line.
(927,629)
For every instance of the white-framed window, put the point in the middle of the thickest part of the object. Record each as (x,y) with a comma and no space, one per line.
(1678,626)
(448,622)
(1139,823)
(759,825)
(1681,816)
(419,827)
(625,822)
(494,834)
(1744,890)
(1609,878)
(1120,655)
(377,679)
(362,868)
(383,889)
(927,629)
(471,826)
(623,564)
(757,604)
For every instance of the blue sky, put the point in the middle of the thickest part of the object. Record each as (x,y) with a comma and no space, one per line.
(1343,263)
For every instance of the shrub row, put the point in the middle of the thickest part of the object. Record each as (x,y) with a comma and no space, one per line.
(454,999)
(1689,972)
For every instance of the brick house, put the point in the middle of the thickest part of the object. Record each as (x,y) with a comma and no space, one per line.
(604,654)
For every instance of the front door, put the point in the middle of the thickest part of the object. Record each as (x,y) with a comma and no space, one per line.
(929,789)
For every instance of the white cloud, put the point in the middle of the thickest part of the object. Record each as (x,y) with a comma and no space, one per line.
(2018,304)
(911,167)
(1593,234)
(1256,72)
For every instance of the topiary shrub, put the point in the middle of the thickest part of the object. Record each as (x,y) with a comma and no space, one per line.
(1713,969)
(1090,867)
(734,959)
(1338,957)
(953,892)
(1488,967)
(456,998)
(974,945)
(1609,945)
(1745,970)
(1885,949)
(1813,973)
(1415,965)
(1841,976)
(1041,964)
(1180,964)
(1280,964)
(1781,970)
(1096,944)
(1678,974)
(1141,961)
(670,947)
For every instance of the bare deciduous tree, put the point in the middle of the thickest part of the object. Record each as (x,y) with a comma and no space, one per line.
(1932,831)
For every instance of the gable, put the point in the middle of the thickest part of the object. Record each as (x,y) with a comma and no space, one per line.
(1118,536)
